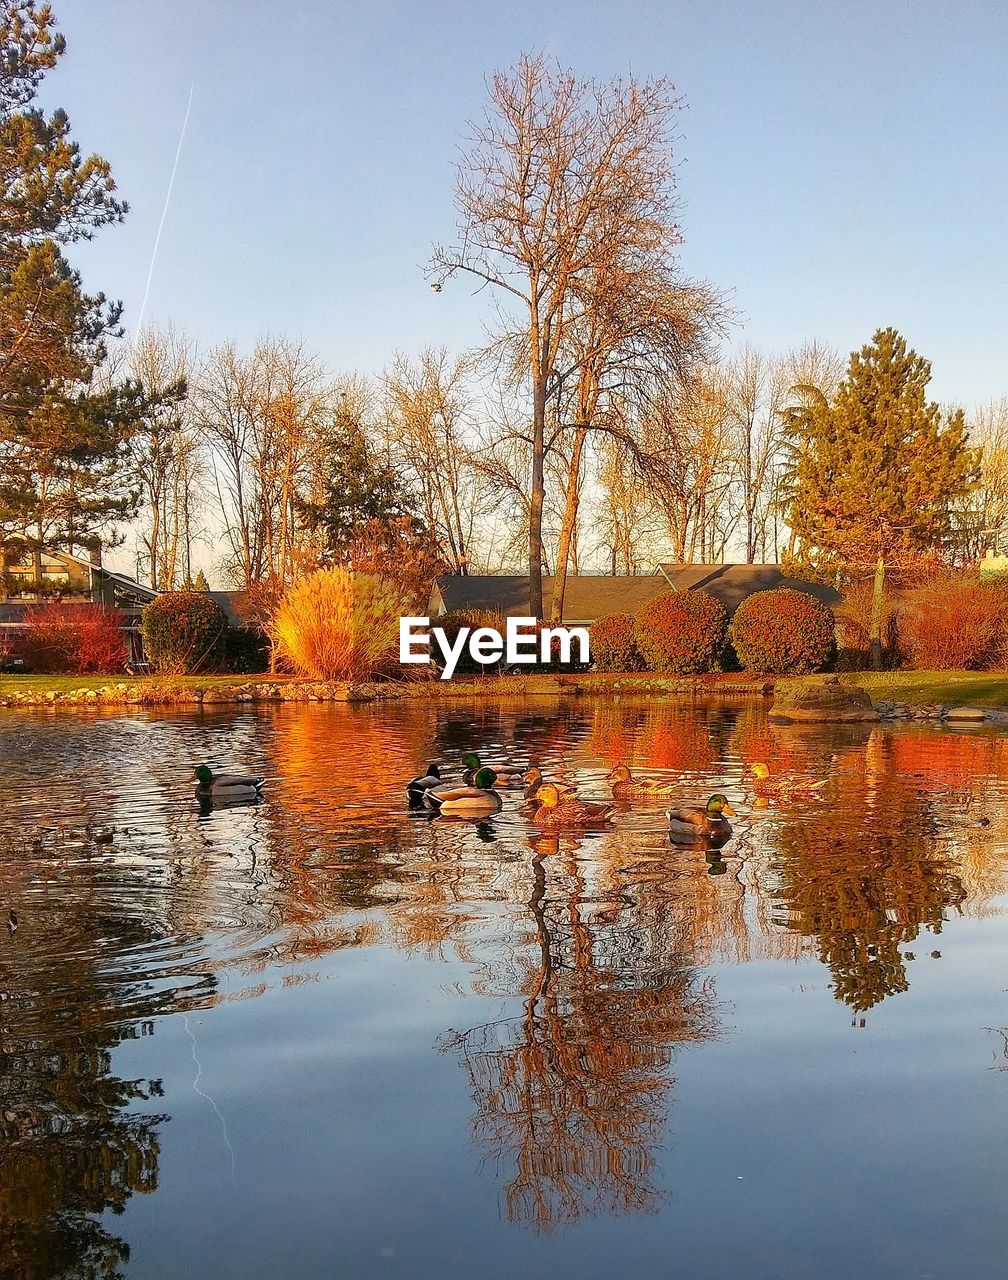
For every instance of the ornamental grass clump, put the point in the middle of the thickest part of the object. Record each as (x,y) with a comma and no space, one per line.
(957,625)
(614,643)
(337,625)
(782,632)
(682,632)
(72,639)
(183,632)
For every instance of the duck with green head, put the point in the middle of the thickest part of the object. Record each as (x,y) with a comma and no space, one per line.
(708,823)
(225,786)
(506,775)
(479,800)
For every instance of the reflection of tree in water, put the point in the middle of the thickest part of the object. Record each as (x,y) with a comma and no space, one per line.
(572,1093)
(866,875)
(73,1147)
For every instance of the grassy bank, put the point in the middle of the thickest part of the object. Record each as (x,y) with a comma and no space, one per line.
(947,688)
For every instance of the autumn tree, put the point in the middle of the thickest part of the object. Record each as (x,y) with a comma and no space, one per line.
(882,466)
(562,175)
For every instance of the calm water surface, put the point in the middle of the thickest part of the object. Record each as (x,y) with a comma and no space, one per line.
(322,1037)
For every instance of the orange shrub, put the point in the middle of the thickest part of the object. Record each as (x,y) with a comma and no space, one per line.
(335,625)
(614,644)
(682,632)
(956,625)
(783,632)
(73,639)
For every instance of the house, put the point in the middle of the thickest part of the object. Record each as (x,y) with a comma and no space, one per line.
(589,597)
(72,579)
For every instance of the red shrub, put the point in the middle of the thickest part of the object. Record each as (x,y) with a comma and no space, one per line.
(783,632)
(614,644)
(73,639)
(956,625)
(682,631)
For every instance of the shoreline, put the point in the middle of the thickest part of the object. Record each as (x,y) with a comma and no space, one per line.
(194,691)
(69,692)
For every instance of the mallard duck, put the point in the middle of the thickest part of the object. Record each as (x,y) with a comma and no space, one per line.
(226,786)
(506,775)
(624,785)
(477,801)
(710,823)
(556,810)
(763,784)
(416,787)
(533,780)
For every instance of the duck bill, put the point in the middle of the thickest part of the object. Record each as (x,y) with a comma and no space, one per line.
(726,808)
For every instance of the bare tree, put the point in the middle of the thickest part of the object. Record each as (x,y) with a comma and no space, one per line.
(427,402)
(561,175)
(167,457)
(266,416)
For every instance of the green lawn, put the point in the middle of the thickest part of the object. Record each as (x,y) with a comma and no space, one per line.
(64,684)
(950,688)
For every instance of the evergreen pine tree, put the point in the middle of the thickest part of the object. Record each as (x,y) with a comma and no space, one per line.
(880,466)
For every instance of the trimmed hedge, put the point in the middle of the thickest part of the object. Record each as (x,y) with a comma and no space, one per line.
(682,632)
(782,632)
(453,622)
(183,632)
(614,643)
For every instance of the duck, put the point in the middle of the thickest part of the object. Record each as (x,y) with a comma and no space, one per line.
(534,779)
(560,810)
(506,775)
(624,784)
(709,823)
(226,786)
(416,787)
(765,785)
(476,801)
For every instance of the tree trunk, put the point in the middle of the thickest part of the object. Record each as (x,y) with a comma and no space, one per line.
(537,494)
(568,526)
(875,637)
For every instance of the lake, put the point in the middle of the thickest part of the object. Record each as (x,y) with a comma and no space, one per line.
(323,1036)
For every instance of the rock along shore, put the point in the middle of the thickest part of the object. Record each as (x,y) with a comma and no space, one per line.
(166,692)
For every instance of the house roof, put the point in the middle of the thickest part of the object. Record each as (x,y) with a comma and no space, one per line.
(588,597)
(585,598)
(731,583)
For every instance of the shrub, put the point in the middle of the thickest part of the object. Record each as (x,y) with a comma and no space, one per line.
(682,632)
(614,643)
(554,661)
(73,639)
(956,625)
(336,625)
(783,632)
(183,631)
(453,622)
(245,651)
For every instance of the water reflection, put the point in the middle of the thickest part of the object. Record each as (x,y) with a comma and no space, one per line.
(597,947)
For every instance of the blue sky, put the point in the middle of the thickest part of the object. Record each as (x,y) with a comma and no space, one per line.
(843,163)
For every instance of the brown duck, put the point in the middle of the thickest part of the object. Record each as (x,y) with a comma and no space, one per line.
(625,785)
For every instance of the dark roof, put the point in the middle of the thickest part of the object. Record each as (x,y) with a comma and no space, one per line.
(593,596)
(585,599)
(731,583)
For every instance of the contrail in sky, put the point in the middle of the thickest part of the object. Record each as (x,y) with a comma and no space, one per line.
(164,214)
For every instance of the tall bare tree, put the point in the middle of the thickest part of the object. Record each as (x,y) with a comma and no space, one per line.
(426,403)
(167,458)
(561,175)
